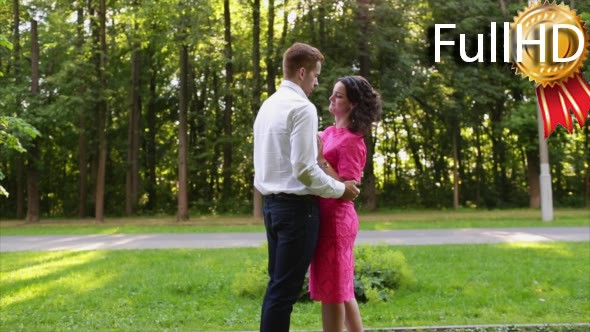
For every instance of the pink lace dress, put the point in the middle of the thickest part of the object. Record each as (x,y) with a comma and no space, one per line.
(331,274)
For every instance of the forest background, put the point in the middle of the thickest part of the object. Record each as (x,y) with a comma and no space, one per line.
(146,107)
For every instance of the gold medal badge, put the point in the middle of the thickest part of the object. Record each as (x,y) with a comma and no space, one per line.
(554,64)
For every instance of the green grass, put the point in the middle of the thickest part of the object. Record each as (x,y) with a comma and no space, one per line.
(187,290)
(368,221)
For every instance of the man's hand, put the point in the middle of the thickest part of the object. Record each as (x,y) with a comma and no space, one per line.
(350,191)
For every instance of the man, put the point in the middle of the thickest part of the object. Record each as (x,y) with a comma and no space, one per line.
(287,174)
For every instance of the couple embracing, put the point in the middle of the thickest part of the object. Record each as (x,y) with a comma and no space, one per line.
(309,182)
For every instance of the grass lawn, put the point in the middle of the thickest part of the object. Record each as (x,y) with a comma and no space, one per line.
(368,221)
(187,290)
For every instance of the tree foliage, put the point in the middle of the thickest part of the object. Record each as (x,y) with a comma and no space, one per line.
(448,127)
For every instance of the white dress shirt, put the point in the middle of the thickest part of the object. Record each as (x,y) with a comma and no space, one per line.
(285,147)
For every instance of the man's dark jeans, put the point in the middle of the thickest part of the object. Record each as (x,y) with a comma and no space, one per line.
(292,225)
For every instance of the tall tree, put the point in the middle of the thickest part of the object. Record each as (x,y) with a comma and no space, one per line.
(419,150)
(151,138)
(102,116)
(455,133)
(82,123)
(95,107)
(133,137)
(274,61)
(587,149)
(182,213)
(213,178)
(256,89)
(270,62)
(479,173)
(369,183)
(256,81)
(228,99)
(34,152)
(20,166)
(283,41)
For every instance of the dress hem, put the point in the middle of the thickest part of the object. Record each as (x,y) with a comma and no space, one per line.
(332,301)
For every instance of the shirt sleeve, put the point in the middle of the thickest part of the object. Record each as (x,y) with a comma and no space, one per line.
(304,152)
(352,157)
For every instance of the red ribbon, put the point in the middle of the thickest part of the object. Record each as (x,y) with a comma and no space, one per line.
(557,101)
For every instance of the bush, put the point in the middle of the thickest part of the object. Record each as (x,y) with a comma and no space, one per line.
(252,281)
(378,273)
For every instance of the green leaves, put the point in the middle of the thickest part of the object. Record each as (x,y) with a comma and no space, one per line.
(11,129)
(4,42)
(379,273)
(486,109)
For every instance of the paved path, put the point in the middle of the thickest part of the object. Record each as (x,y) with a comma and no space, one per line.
(233,240)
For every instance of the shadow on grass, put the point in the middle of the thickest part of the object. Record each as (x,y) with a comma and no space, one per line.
(117,290)
(147,290)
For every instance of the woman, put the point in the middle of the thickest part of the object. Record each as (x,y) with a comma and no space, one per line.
(342,155)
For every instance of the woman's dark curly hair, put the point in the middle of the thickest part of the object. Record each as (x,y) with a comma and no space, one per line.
(368,104)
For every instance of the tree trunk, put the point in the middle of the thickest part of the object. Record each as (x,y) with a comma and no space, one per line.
(455,172)
(95,93)
(270,64)
(499,154)
(363,43)
(82,167)
(82,126)
(503,8)
(369,189)
(151,142)
(182,214)
(20,182)
(102,118)
(132,179)
(396,149)
(213,171)
(478,167)
(532,159)
(256,82)
(16,51)
(388,153)
(311,22)
(369,185)
(322,23)
(587,149)
(414,147)
(279,51)
(256,90)
(20,188)
(33,209)
(33,160)
(227,115)
(93,161)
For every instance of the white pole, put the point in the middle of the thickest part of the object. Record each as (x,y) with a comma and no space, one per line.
(545,177)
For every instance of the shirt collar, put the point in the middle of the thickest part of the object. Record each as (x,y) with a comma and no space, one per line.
(291,85)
